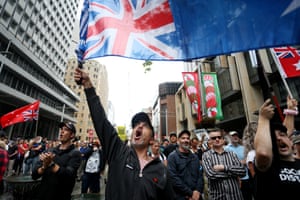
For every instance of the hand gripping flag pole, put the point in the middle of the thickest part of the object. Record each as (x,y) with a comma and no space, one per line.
(80,51)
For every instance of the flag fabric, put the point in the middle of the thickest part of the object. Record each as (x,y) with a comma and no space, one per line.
(191,85)
(184,30)
(23,114)
(288,59)
(211,94)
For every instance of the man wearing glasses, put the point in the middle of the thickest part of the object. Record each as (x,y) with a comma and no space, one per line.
(223,169)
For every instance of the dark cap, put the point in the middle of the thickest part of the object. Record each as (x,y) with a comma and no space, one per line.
(69,125)
(184,132)
(141,117)
(172,134)
(2,133)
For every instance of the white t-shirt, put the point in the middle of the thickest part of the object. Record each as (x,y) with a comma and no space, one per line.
(250,157)
(93,163)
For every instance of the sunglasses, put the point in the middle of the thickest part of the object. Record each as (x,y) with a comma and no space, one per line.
(216,137)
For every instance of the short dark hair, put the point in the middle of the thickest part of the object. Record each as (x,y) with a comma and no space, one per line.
(165,140)
(215,129)
(278,126)
(172,134)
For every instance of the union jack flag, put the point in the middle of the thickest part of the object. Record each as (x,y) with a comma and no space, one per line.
(288,59)
(23,114)
(184,29)
(129,28)
(30,115)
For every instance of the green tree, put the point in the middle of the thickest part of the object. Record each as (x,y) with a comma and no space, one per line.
(147,66)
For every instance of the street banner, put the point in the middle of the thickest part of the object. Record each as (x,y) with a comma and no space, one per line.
(288,59)
(184,30)
(211,94)
(191,85)
(26,113)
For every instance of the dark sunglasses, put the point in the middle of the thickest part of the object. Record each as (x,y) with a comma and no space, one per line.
(214,138)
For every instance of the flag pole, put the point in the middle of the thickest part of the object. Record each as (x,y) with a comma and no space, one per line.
(37,120)
(203,113)
(267,88)
(36,126)
(281,73)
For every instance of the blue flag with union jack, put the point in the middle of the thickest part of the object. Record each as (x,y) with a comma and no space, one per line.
(184,29)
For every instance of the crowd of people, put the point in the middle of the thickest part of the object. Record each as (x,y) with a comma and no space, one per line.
(248,165)
(58,164)
(262,162)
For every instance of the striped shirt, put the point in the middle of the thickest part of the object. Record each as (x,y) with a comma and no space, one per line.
(223,185)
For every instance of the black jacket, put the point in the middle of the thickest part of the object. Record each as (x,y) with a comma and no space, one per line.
(59,185)
(186,173)
(125,179)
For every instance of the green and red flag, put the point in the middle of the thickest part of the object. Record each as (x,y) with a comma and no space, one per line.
(211,94)
(191,85)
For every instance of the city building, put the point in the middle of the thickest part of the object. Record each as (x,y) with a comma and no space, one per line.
(35,37)
(243,82)
(163,112)
(98,75)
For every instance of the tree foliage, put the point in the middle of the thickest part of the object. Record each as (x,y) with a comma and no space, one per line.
(147,66)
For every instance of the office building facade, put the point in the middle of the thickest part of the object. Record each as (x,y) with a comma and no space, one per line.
(243,89)
(35,37)
(99,78)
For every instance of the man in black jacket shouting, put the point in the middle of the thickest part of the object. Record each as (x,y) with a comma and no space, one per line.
(132,174)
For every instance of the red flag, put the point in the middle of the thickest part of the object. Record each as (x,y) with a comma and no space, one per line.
(289,59)
(23,114)
(191,85)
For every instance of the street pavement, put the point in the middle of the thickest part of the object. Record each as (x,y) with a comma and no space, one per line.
(78,196)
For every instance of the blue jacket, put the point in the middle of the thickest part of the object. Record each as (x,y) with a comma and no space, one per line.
(186,174)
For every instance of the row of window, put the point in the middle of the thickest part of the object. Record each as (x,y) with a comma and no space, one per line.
(9,79)
(28,67)
(49,41)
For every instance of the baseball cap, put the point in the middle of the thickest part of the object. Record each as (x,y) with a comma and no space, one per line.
(69,125)
(233,133)
(2,133)
(184,132)
(172,134)
(141,117)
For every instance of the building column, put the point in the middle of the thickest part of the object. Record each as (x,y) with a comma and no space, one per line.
(252,98)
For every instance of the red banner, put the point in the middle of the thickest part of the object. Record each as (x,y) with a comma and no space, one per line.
(191,85)
(23,114)
(289,61)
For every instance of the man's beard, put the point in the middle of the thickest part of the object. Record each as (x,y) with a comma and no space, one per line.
(186,147)
(139,144)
